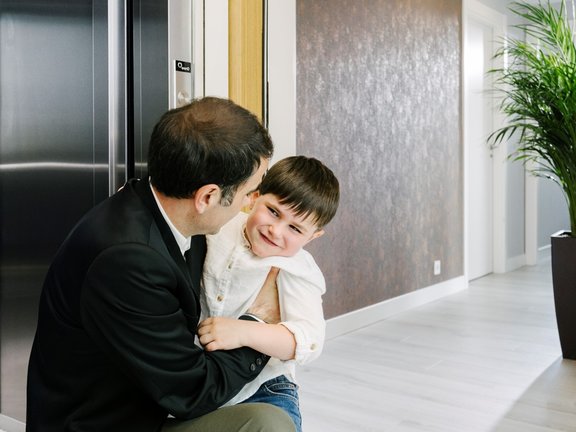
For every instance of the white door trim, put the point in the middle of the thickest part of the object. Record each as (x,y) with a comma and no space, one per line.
(473,9)
(282,77)
(210,48)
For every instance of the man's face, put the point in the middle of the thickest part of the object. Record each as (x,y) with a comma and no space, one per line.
(220,214)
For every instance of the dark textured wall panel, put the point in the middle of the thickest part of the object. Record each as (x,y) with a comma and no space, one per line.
(378,99)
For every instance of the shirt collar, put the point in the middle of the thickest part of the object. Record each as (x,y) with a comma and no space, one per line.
(245,240)
(183,242)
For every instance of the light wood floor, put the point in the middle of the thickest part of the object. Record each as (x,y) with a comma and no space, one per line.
(486,359)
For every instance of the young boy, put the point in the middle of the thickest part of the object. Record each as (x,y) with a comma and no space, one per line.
(297,198)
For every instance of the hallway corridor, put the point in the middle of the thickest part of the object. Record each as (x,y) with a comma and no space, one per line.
(486,359)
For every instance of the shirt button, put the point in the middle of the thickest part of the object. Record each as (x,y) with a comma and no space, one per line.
(259,361)
(252,367)
(220,297)
(313,347)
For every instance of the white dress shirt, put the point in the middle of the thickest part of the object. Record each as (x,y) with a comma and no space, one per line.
(183,242)
(232,278)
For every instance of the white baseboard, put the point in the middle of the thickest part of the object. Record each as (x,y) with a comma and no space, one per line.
(8,424)
(544,252)
(369,315)
(515,263)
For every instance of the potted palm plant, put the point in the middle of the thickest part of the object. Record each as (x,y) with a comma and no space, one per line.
(538,89)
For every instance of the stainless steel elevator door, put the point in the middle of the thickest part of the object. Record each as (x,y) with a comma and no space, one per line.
(150,74)
(66,70)
(53,156)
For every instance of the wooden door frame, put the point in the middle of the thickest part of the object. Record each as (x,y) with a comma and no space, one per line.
(246,54)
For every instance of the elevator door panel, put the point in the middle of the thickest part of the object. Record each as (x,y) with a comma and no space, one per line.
(52,170)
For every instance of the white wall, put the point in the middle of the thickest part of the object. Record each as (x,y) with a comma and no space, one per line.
(282,76)
(211,48)
(552,211)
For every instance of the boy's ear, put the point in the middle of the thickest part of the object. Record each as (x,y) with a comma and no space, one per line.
(206,196)
(253,196)
(317,234)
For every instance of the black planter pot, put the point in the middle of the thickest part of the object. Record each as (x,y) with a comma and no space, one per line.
(564,283)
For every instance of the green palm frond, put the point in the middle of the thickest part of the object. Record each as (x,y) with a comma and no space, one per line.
(538,88)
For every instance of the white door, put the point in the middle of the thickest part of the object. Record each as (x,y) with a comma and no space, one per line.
(478,124)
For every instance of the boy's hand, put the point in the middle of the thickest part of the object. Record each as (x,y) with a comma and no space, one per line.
(221,333)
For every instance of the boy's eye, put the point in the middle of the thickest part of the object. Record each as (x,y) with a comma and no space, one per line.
(295,229)
(273,211)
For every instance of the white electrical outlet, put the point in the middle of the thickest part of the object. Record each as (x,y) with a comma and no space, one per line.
(437,267)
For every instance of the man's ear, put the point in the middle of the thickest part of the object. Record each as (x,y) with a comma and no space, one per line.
(206,196)
(317,234)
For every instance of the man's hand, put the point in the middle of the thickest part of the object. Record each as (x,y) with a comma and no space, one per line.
(267,306)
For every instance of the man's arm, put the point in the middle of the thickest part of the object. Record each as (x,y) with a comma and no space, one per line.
(266,307)
(139,323)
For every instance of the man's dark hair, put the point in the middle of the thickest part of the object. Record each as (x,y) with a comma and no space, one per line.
(305,185)
(209,141)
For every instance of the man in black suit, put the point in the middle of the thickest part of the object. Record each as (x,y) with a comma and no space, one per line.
(114,347)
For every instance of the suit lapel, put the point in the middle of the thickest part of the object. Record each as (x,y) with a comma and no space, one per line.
(142,188)
(195,259)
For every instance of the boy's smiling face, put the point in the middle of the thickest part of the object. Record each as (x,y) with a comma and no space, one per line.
(273,229)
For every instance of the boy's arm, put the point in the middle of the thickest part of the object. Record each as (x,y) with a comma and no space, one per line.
(301,309)
(222,333)
(300,335)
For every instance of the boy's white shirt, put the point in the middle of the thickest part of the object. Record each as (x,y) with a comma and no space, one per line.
(232,278)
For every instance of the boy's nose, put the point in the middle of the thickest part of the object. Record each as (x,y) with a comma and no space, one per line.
(274,230)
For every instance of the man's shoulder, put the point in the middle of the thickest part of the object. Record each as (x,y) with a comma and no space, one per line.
(119,219)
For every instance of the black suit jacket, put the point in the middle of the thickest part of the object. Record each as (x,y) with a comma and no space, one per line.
(114,348)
